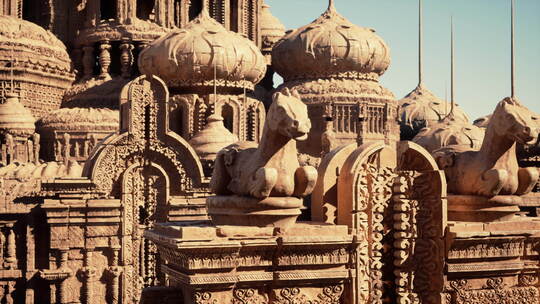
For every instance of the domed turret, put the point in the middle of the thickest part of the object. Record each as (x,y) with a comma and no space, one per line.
(210,140)
(421,108)
(36,61)
(331,46)
(271,30)
(335,66)
(193,56)
(76,131)
(450,132)
(15,119)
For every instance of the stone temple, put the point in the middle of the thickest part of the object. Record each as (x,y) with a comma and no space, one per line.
(148,157)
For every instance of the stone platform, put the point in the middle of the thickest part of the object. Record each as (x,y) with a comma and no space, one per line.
(493,262)
(305,263)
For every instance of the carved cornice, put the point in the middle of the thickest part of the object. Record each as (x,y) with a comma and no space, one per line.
(52,275)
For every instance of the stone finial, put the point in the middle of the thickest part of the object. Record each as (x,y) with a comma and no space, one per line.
(15,118)
(212,138)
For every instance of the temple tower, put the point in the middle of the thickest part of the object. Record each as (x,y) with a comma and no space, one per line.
(335,67)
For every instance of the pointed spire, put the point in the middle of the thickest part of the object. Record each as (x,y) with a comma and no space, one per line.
(331,7)
(452,64)
(420,46)
(513,54)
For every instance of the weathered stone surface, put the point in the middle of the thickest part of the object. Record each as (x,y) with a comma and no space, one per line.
(116,156)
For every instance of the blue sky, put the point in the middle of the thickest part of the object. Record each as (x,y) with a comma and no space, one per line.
(482,41)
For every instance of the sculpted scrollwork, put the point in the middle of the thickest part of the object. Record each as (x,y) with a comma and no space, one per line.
(418,206)
(248,296)
(146,137)
(496,293)
(330,294)
(204,298)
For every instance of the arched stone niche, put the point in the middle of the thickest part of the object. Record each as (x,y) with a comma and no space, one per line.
(146,166)
(420,221)
(394,200)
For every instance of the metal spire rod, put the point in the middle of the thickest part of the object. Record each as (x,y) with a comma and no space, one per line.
(420,46)
(452,78)
(513,54)
(446,98)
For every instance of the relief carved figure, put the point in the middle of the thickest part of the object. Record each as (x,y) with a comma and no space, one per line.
(272,168)
(494,169)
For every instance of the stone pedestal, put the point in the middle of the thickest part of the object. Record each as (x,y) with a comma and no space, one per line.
(248,211)
(306,263)
(471,208)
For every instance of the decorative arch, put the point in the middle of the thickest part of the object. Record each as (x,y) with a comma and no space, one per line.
(227,111)
(233,115)
(324,199)
(395,201)
(420,204)
(364,204)
(145,135)
(182,115)
(145,193)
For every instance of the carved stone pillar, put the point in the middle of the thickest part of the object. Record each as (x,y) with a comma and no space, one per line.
(122,11)
(37,147)
(11,258)
(63,258)
(88,62)
(9,292)
(140,47)
(66,148)
(115,271)
(89,274)
(104,59)
(58,276)
(126,57)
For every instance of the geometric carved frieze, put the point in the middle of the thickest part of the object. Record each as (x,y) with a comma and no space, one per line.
(232,267)
(493,247)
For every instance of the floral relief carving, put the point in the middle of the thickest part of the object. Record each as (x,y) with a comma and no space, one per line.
(204,298)
(248,296)
(291,295)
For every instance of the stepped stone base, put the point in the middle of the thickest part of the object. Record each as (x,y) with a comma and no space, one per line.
(304,263)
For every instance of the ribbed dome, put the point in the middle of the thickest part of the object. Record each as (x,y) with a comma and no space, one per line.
(41,43)
(450,132)
(421,108)
(214,137)
(36,61)
(271,29)
(331,47)
(189,57)
(15,119)
(82,119)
